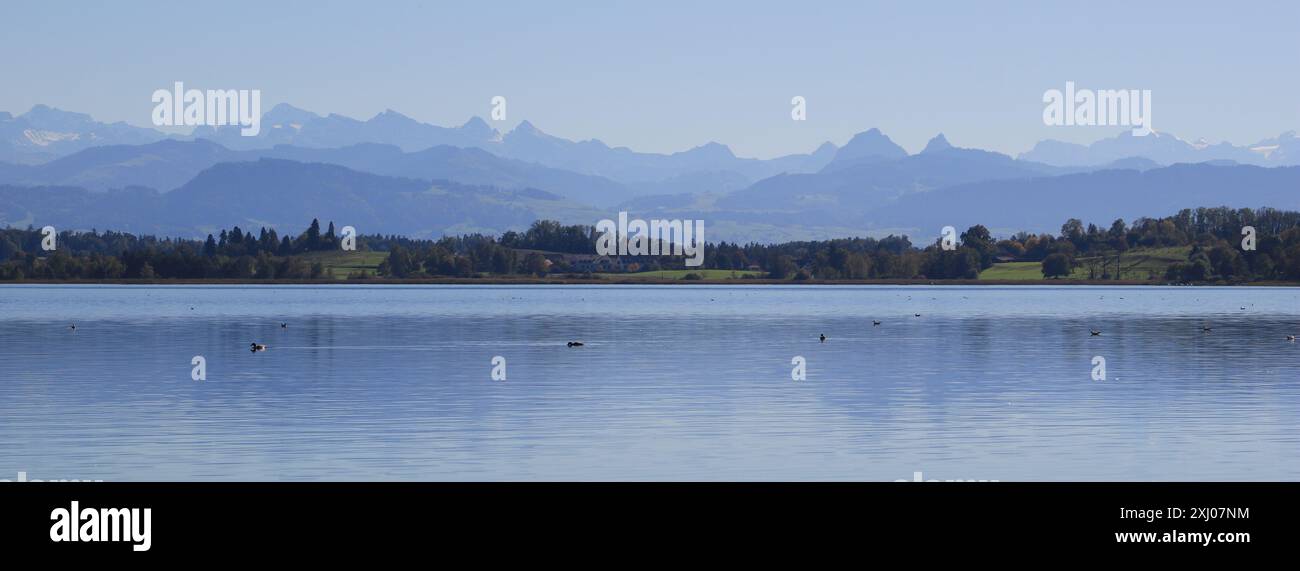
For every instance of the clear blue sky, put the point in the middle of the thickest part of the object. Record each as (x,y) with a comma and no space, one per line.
(662,76)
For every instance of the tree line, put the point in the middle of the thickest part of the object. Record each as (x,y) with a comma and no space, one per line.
(1212,238)
(231,254)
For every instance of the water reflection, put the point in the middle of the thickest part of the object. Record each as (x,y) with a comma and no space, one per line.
(380,382)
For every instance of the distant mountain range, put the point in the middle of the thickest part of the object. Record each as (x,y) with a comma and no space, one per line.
(287,125)
(1166,149)
(168,164)
(281,194)
(1043,204)
(872,184)
(392,174)
(45,133)
(865,180)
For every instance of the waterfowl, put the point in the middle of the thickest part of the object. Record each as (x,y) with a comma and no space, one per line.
(575,343)
(823,337)
(916,315)
(72,327)
(1290,337)
(284,326)
(255,347)
(874,322)
(1205,329)
(1094,332)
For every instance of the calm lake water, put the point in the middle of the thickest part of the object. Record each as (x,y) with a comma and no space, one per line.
(675,382)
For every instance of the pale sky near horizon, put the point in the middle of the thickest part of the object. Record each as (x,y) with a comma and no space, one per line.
(667,75)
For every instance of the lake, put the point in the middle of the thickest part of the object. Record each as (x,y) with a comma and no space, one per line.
(373,382)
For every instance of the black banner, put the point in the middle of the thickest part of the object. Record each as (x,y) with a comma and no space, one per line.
(152,520)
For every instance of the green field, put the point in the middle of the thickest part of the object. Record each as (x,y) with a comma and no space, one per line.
(1138,265)
(1141,264)
(339,264)
(1014,271)
(679,274)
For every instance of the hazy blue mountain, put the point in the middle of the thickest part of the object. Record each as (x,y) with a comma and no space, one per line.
(168,164)
(129,210)
(282,194)
(279,193)
(873,173)
(527,142)
(288,125)
(464,165)
(161,165)
(664,204)
(1037,203)
(45,133)
(1132,163)
(808,163)
(839,199)
(1060,153)
(937,144)
(12,173)
(1043,204)
(870,185)
(1283,149)
(870,146)
(1165,149)
(696,182)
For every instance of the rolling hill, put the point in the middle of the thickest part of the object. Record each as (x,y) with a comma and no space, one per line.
(282,194)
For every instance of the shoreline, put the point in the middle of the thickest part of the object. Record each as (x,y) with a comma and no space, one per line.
(642,281)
